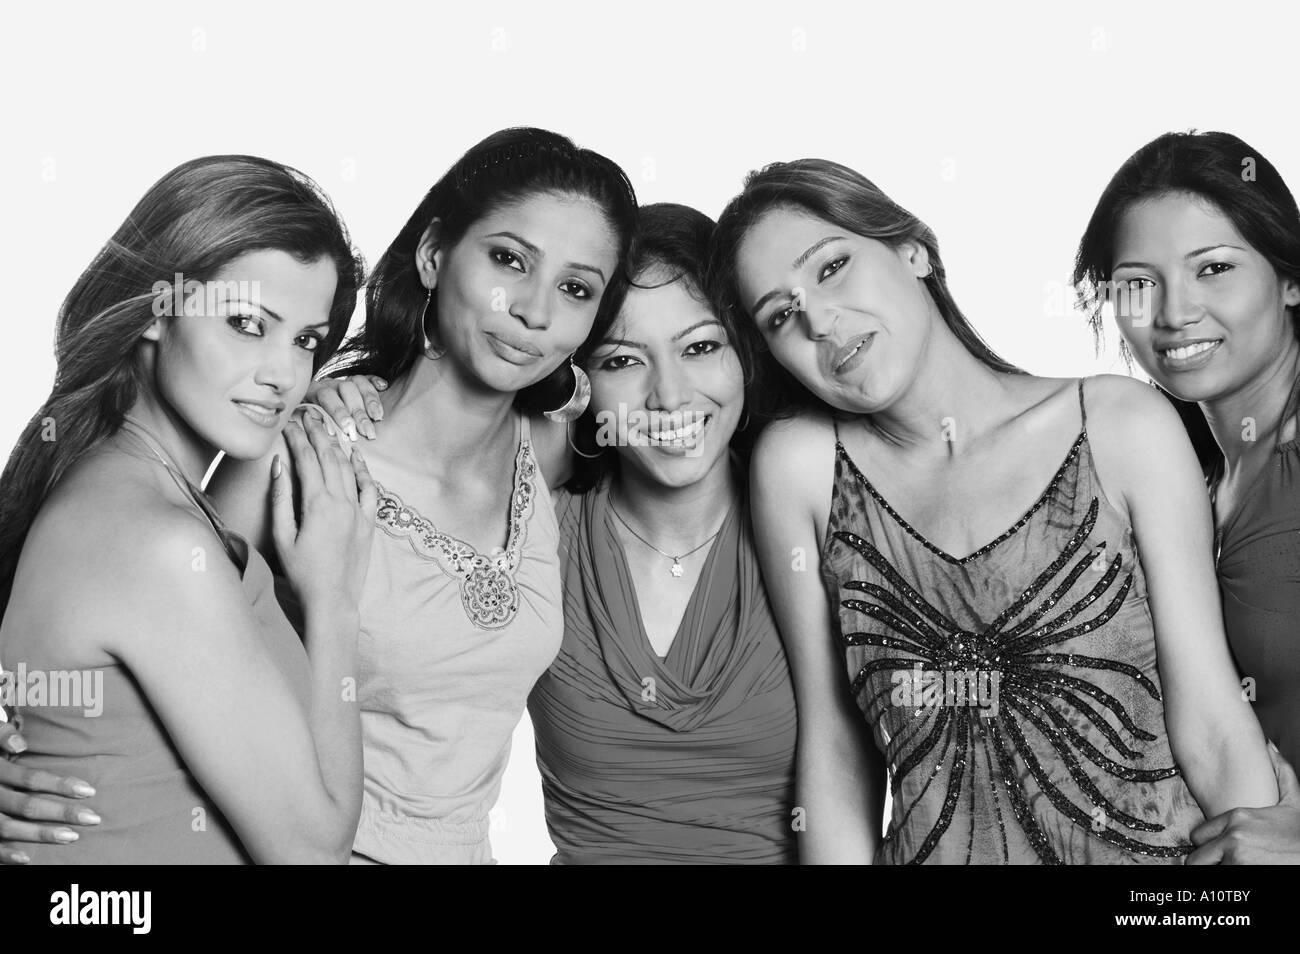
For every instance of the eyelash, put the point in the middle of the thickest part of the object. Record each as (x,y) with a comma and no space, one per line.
(1225,267)
(609,363)
(236,322)
(779,318)
(837,262)
(497,254)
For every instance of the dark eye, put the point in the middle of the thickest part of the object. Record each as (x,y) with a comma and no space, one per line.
(617,362)
(503,256)
(702,347)
(780,317)
(831,267)
(577,290)
(1138,284)
(1214,268)
(308,342)
(249,325)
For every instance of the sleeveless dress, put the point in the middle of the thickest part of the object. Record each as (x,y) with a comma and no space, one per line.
(451,643)
(153,810)
(1013,692)
(681,759)
(1258,561)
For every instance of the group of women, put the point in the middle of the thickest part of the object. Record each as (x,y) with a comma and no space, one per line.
(695,494)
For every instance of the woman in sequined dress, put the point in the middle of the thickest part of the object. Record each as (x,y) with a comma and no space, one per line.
(1036,692)
(1195,248)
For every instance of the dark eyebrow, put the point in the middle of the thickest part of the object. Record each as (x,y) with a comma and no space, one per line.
(624,341)
(794,267)
(538,252)
(1189,255)
(698,324)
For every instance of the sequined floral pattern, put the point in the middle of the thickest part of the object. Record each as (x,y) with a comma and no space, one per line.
(488,590)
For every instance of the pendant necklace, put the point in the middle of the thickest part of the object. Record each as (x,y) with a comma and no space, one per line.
(676,569)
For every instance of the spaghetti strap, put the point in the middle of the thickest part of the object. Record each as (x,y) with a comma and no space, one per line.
(836,425)
(525,432)
(1083,410)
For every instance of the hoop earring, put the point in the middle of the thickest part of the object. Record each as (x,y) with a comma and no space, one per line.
(568,436)
(432,352)
(572,409)
(746,423)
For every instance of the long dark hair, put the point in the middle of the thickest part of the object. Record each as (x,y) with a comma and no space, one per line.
(193,221)
(1220,168)
(845,198)
(507,166)
(671,244)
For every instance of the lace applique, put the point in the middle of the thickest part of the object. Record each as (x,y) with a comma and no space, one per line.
(488,590)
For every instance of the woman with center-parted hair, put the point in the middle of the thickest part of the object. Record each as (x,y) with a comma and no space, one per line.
(214,737)
(974,596)
(473,314)
(1195,247)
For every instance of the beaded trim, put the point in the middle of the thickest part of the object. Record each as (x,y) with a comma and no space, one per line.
(1001,538)
(488,590)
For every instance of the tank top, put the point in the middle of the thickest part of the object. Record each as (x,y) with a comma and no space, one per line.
(153,810)
(451,643)
(1014,692)
(1258,562)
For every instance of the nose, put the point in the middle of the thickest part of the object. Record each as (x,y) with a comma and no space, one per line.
(670,387)
(1178,307)
(278,368)
(531,304)
(819,320)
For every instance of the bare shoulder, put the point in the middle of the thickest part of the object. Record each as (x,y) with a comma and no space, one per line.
(793,467)
(1127,411)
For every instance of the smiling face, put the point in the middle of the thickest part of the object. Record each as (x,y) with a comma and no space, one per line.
(236,357)
(668,370)
(1202,311)
(519,292)
(846,315)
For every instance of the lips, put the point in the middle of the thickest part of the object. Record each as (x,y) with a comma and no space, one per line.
(259,412)
(850,355)
(516,343)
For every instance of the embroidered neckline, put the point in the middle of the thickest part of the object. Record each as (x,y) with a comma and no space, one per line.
(1070,457)
(488,590)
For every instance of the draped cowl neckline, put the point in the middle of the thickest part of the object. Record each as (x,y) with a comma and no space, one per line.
(713,664)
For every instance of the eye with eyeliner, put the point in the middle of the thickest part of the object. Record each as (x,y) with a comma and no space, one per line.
(835,265)
(1225,266)
(507,258)
(236,322)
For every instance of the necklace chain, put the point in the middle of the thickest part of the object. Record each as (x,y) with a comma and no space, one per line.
(676,569)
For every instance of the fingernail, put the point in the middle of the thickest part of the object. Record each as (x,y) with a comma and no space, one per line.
(66,835)
(381,385)
(376,410)
(329,428)
(87,817)
(16,744)
(82,790)
(21,858)
(275,467)
(368,429)
(350,429)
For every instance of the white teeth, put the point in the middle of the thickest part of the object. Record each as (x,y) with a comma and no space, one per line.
(1187,351)
(680,434)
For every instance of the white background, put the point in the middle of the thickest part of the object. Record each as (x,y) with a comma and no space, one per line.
(998,124)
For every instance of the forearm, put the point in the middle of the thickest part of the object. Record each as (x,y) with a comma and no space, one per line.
(331,641)
(842,800)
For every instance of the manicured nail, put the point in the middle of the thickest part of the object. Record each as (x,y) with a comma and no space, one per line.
(376,411)
(87,817)
(16,744)
(20,858)
(275,467)
(350,429)
(82,790)
(380,384)
(66,836)
(368,429)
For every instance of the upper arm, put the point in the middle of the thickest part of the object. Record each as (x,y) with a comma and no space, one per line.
(791,474)
(195,648)
(1144,457)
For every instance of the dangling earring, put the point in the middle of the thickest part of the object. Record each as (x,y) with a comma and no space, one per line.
(430,351)
(572,409)
(746,421)
(568,435)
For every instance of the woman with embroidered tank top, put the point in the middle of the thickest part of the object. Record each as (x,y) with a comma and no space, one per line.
(473,314)
(186,704)
(1200,267)
(1022,628)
